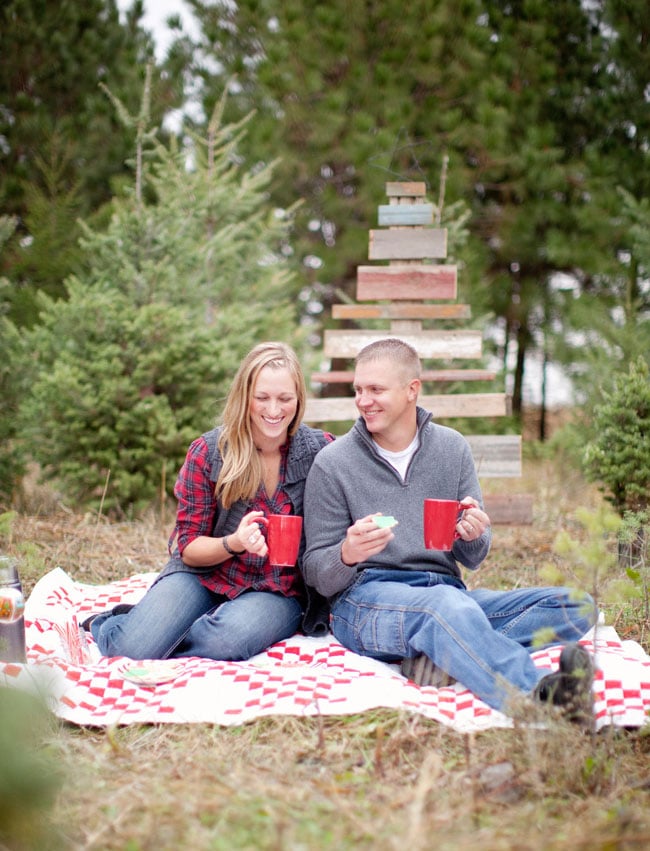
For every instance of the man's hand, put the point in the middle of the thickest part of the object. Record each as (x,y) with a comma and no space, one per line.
(363,540)
(473,521)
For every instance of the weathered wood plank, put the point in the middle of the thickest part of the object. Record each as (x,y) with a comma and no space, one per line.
(399,327)
(417,189)
(405,214)
(509,509)
(343,409)
(343,376)
(448,405)
(495,456)
(407,244)
(376,283)
(401,310)
(500,454)
(436,344)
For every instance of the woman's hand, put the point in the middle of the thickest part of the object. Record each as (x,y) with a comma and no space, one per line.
(248,535)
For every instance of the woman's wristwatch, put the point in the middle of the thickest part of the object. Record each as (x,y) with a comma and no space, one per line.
(229,549)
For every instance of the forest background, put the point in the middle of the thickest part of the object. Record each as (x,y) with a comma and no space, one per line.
(160,215)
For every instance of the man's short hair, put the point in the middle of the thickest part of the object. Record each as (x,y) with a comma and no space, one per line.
(397,351)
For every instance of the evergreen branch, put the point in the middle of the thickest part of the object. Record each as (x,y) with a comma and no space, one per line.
(139,122)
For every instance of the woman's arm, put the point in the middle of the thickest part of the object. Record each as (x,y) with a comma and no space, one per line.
(195,515)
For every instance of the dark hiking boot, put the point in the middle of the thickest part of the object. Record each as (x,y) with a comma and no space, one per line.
(422,671)
(569,689)
(120,609)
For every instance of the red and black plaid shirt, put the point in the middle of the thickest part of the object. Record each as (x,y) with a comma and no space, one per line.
(195,516)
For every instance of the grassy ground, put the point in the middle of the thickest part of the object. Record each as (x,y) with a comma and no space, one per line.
(381,780)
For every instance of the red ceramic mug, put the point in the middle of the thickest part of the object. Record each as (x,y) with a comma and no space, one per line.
(440,519)
(282,537)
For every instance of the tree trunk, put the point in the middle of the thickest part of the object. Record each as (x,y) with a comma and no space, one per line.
(542,409)
(517,391)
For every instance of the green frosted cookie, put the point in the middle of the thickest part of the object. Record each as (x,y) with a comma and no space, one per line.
(385,522)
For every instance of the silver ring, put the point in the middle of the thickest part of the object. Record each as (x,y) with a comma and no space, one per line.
(251,539)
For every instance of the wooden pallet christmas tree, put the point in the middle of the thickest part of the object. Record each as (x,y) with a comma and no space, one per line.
(408,291)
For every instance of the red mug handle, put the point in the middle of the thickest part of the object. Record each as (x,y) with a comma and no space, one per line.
(462,505)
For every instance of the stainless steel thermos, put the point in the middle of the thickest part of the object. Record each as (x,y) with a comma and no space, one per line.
(12,607)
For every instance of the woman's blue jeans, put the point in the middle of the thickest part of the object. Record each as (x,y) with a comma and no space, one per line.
(178,617)
(481,638)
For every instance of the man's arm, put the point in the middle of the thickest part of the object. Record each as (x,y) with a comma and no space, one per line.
(327,520)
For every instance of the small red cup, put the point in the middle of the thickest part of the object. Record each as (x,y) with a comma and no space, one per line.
(440,519)
(282,537)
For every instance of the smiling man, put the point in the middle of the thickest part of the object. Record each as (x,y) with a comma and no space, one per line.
(391,598)
(386,400)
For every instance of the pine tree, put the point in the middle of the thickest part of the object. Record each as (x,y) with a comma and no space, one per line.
(133,364)
(530,166)
(61,150)
(618,457)
(349,96)
(608,320)
(611,316)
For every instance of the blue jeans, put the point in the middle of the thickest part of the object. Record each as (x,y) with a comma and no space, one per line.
(178,617)
(481,638)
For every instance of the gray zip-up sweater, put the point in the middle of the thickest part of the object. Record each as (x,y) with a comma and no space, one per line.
(349,480)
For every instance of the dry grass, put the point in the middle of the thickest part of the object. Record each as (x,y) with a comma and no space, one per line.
(380,780)
(377,781)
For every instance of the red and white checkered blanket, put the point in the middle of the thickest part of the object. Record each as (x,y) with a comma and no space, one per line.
(300,676)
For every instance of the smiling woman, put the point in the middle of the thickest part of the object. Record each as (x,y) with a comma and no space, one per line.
(219,596)
(265,405)
(273,408)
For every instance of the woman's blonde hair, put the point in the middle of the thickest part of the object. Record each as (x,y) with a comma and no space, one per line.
(241,471)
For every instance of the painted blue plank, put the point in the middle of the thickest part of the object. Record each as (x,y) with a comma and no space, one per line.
(405,214)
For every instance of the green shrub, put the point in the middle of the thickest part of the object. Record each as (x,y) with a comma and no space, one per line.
(634,556)
(618,456)
(29,774)
(11,463)
(124,395)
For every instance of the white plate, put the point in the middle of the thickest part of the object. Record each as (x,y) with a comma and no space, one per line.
(151,674)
